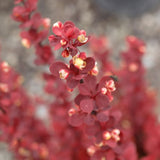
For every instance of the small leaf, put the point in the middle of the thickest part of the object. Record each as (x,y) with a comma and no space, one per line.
(86,105)
(90,63)
(56,67)
(102,101)
(89,120)
(103,116)
(76,120)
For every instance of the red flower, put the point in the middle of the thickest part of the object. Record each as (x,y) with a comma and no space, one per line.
(71,73)
(21,13)
(67,36)
(36,21)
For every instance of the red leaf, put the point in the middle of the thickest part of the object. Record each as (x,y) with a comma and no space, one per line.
(89,86)
(103,116)
(102,101)
(76,120)
(90,63)
(86,105)
(56,67)
(84,90)
(72,83)
(89,120)
(79,98)
(57,31)
(92,130)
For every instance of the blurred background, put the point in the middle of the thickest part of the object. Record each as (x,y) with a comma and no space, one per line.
(114,18)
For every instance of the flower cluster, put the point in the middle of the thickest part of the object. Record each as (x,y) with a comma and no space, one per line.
(92,105)
(61,146)
(67,36)
(134,99)
(35,29)
(137,99)
(26,135)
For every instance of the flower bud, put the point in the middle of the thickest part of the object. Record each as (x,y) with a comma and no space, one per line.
(91,150)
(63,74)
(5,67)
(65,53)
(107,135)
(63,42)
(46,22)
(26,43)
(110,86)
(142,49)
(133,67)
(103,90)
(4,87)
(71,112)
(116,135)
(82,38)
(79,63)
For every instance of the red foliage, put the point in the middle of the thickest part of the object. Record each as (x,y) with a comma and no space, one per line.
(93,125)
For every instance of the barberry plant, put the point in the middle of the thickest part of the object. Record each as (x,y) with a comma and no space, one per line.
(96,111)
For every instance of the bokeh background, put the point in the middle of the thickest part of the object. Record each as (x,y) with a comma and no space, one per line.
(114,18)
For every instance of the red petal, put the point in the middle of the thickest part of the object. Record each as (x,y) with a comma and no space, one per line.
(55,41)
(57,46)
(56,67)
(50,38)
(57,31)
(68,32)
(70,23)
(86,105)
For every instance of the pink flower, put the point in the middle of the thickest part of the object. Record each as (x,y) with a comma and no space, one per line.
(71,73)
(67,36)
